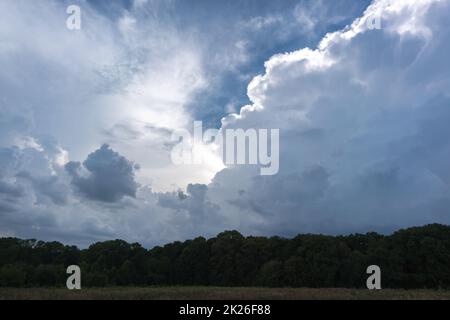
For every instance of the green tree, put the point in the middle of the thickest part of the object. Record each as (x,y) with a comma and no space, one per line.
(271,274)
(12,276)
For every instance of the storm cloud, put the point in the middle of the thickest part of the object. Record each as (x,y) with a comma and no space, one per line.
(109,176)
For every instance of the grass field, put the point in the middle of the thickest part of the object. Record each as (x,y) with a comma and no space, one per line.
(215,293)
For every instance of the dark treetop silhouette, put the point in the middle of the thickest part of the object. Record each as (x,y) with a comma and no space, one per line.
(413,258)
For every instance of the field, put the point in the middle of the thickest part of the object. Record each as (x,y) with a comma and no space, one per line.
(216,293)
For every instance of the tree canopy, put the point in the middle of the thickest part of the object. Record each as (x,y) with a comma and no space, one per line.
(417,257)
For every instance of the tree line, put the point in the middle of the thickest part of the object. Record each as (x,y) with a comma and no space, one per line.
(417,257)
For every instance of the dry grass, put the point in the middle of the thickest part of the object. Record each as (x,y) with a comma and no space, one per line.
(215,293)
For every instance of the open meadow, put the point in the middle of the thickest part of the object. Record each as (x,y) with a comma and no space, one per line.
(218,293)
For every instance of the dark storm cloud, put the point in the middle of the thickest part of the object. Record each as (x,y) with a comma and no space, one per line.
(8,159)
(110,176)
(48,186)
(285,197)
(10,189)
(194,201)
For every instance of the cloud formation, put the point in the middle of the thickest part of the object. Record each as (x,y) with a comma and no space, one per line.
(109,178)
(366,107)
(363,117)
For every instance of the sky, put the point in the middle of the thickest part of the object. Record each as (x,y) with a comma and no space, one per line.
(87,117)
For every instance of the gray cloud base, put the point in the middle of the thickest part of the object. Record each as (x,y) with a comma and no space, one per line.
(110,176)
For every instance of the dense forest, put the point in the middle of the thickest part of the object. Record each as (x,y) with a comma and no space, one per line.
(413,258)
